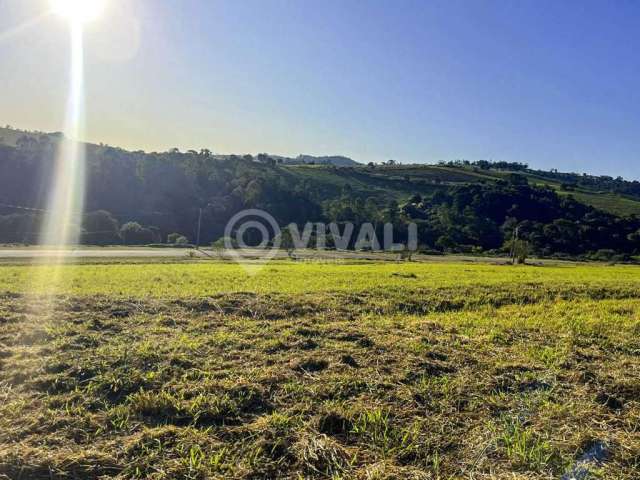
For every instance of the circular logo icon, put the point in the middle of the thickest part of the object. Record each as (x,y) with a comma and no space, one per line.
(252,234)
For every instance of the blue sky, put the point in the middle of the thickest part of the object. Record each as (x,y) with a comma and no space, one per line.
(551,83)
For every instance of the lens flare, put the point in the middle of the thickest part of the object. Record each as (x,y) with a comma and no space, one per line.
(78,11)
(66,199)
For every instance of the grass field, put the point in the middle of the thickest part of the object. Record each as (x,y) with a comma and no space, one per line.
(305,370)
(608,202)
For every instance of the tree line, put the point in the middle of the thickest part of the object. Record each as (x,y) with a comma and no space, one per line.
(149,198)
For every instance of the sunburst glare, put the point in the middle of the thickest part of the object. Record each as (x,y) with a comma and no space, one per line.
(78,11)
(62,225)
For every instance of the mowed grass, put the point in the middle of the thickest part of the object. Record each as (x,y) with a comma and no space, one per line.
(171,281)
(334,371)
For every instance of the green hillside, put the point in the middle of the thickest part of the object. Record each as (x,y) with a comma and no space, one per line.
(11,136)
(402,181)
(614,196)
(608,202)
(143,198)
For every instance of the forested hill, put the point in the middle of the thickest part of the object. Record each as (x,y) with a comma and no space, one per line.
(137,197)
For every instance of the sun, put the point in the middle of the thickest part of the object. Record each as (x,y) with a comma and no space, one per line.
(78,11)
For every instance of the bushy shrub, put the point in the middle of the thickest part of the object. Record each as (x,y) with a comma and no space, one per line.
(100,228)
(177,239)
(135,234)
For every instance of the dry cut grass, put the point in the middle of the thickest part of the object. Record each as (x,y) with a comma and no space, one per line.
(485,381)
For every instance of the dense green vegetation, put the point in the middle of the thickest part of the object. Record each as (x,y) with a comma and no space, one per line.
(144,198)
(353,371)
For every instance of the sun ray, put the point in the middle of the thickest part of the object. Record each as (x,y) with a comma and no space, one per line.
(21,28)
(67,194)
(62,223)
